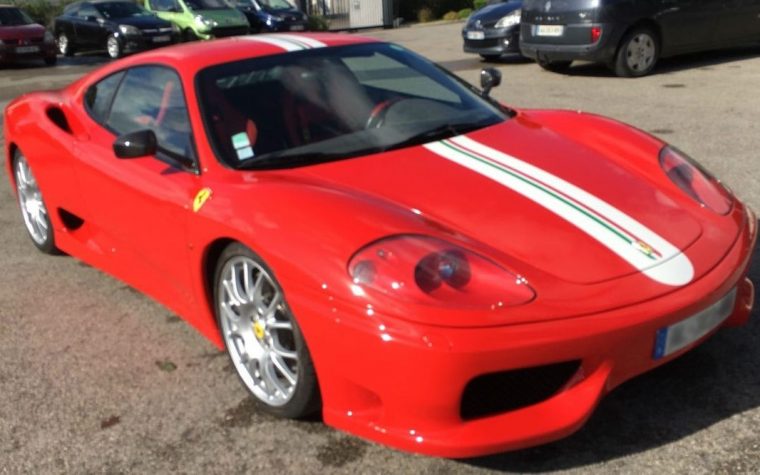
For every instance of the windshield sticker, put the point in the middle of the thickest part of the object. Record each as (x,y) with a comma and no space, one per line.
(242,145)
(200,199)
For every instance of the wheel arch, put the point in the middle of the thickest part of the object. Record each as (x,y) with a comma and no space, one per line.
(209,261)
(12,150)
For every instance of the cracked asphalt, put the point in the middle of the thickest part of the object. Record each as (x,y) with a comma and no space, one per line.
(97,378)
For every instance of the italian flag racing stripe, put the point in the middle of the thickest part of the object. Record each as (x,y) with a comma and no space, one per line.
(288,42)
(641,247)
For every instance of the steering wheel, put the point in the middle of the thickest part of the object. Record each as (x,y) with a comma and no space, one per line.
(377,115)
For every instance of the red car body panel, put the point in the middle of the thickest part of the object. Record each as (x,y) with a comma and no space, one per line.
(394,371)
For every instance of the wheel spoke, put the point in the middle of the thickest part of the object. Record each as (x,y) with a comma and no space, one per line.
(283,369)
(269,376)
(280,351)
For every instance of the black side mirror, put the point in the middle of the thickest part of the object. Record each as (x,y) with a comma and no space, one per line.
(489,79)
(136,144)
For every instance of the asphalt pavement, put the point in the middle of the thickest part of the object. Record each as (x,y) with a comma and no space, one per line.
(97,378)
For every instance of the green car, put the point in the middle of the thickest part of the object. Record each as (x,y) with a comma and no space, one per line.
(201,19)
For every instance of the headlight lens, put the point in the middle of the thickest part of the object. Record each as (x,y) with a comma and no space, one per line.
(509,20)
(427,270)
(695,181)
(128,30)
(175,28)
(273,19)
(49,38)
(204,21)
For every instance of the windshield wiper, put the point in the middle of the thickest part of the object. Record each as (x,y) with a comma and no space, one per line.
(440,132)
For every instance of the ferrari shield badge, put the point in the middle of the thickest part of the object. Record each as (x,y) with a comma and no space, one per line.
(200,199)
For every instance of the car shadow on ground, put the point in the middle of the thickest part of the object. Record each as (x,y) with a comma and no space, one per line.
(703,61)
(707,385)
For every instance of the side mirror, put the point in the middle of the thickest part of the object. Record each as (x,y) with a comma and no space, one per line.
(489,79)
(136,144)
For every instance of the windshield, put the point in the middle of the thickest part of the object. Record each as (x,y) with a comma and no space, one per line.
(331,103)
(120,10)
(207,4)
(14,17)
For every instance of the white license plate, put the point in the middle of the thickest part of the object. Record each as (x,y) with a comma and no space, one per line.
(27,49)
(296,27)
(550,30)
(682,334)
(161,39)
(476,35)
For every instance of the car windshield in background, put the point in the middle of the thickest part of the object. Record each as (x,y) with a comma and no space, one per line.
(207,4)
(276,4)
(331,103)
(14,17)
(120,10)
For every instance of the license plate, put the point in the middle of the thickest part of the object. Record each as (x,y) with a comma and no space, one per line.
(161,39)
(682,334)
(27,49)
(550,30)
(296,27)
(476,35)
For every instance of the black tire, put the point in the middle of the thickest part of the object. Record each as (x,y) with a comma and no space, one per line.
(188,35)
(490,57)
(554,66)
(65,46)
(45,240)
(305,399)
(114,48)
(51,60)
(637,53)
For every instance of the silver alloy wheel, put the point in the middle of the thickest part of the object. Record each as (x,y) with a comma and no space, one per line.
(63,43)
(113,48)
(640,52)
(257,330)
(30,200)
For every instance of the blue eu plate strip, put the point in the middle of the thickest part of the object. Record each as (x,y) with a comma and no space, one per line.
(660,343)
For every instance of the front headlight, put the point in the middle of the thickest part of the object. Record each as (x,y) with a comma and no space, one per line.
(428,270)
(695,181)
(175,28)
(272,19)
(49,38)
(509,20)
(204,22)
(128,30)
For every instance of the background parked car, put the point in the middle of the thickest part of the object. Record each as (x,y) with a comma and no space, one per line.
(21,37)
(494,29)
(119,27)
(631,36)
(272,15)
(201,19)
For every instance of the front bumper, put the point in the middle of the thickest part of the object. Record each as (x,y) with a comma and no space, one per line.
(136,43)
(11,53)
(495,41)
(402,384)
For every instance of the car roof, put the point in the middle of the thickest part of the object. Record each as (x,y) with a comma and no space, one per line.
(188,58)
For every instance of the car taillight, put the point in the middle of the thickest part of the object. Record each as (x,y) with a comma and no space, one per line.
(696,182)
(596,33)
(429,270)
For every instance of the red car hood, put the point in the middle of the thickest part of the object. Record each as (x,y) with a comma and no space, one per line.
(578,206)
(21,32)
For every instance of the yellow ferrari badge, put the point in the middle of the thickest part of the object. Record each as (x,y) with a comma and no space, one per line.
(201,198)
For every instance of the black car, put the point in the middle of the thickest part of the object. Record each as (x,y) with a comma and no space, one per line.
(272,15)
(119,27)
(630,36)
(494,29)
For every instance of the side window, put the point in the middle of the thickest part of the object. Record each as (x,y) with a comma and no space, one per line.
(150,97)
(87,11)
(382,72)
(163,5)
(99,96)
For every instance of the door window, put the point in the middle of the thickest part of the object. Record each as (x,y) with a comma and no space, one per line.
(87,11)
(164,5)
(151,97)
(99,96)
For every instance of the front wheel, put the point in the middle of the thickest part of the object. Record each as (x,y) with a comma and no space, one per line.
(637,54)
(113,47)
(64,45)
(33,208)
(262,336)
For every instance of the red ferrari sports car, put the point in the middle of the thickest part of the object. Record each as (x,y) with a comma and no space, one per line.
(373,238)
